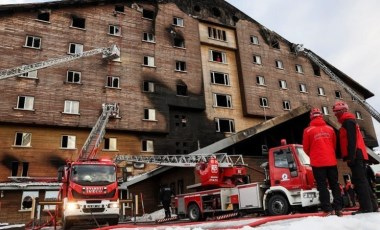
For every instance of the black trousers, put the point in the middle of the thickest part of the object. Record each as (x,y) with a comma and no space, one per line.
(362,188)
(166,204)
(330,174)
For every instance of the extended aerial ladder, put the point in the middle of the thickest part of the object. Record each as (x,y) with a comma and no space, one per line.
(224,160)
(109,53)
(375,114)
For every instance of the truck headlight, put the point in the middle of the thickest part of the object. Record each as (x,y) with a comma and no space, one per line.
(72,206)
(113,205)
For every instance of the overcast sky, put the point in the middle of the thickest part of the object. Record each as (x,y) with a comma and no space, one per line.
(343,32)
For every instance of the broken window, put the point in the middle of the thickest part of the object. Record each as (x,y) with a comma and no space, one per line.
(110,144)
(27,199)
(75,48)
(179,42)
(316,69)
(222,100)
(148,14)
(220,78)
(68,142)
(264,102)
(178,21)
(302,88)
(119,8)
(43,16)
(148,37)
(283,84)
(150,114)
(180,66)
(14,168)
(218,56)
(275,44)
(224,125)
(254,40)
(338,94)
(78,22)
(325,110)
(321,91)
(33,42)
(217,34)
(148,61)
(299,69)
(25,169)
(181,90)
(279,64)
(25,102)
(260,80)
(23,139)
(113,82)
(286,105)
(257,59)
(71,107)
(148,86)
(358,115)
(73,76)
(147,146)
(115,30)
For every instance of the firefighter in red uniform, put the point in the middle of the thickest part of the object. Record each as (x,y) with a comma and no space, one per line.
(319,142)
(353,150)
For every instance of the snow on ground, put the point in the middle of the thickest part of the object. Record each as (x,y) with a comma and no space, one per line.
(370,221)
(159,214)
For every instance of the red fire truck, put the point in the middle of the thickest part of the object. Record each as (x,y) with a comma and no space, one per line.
(223,188)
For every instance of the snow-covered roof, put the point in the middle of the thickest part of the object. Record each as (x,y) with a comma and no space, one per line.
(29,185)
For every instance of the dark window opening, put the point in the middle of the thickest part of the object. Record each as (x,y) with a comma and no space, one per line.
(119,8)
(181,90)
(21,103)
(197,8)
(19,139)
(73,77)
(216,12)
(317,70)
(44,16)
(148,86)
(25,168)
(65,140)
(264,102)
(79,22)
(179,42)
(180,66)
(106,143)
(217,56)
(178,151)
(338,94)
(223,101)
(14,168)
(219,78)
(149,14)
(275,44)
(225,126)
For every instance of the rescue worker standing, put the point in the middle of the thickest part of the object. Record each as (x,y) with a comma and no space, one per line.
(353,150)
(166,197)
(319,142)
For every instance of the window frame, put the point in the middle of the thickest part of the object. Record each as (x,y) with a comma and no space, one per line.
(149,37)
(176,20)
(76,26)
(70,139)
(27,105)
(149,114)
(302,88)
(147,145)
(338,92)
(111,142)
(150,14)
(358,115)
(260,80)
(26,193)
(217,34)
(264,102)
(115,28)
(299,68)
(111,80)
(184,90)
(279,64)
(80,46)
(69,107)
(257,59)
(226,78)
(180,66)
(254,41)
(325,110)
(228,99)
(281,85)
(231,124)
(22,144)
(149,61)
(151,86)
(286,105)
(32,46)
(217,53)
(321,91)
(74,73)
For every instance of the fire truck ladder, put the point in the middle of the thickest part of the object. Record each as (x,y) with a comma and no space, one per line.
(224,160)
(97,133)
(375,114)
(109,53)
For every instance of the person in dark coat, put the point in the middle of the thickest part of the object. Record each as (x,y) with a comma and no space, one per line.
(166,197)
(319,142)
(354,152)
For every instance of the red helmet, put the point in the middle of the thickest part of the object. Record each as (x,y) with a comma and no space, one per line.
(315,112)
(340,106)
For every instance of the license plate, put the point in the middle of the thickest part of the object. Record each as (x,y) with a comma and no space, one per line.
(93,206)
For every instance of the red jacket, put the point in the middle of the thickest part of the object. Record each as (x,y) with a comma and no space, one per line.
(319,142)
(350,138)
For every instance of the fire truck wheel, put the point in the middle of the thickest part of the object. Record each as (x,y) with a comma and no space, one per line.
(194,212)
(278,205)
